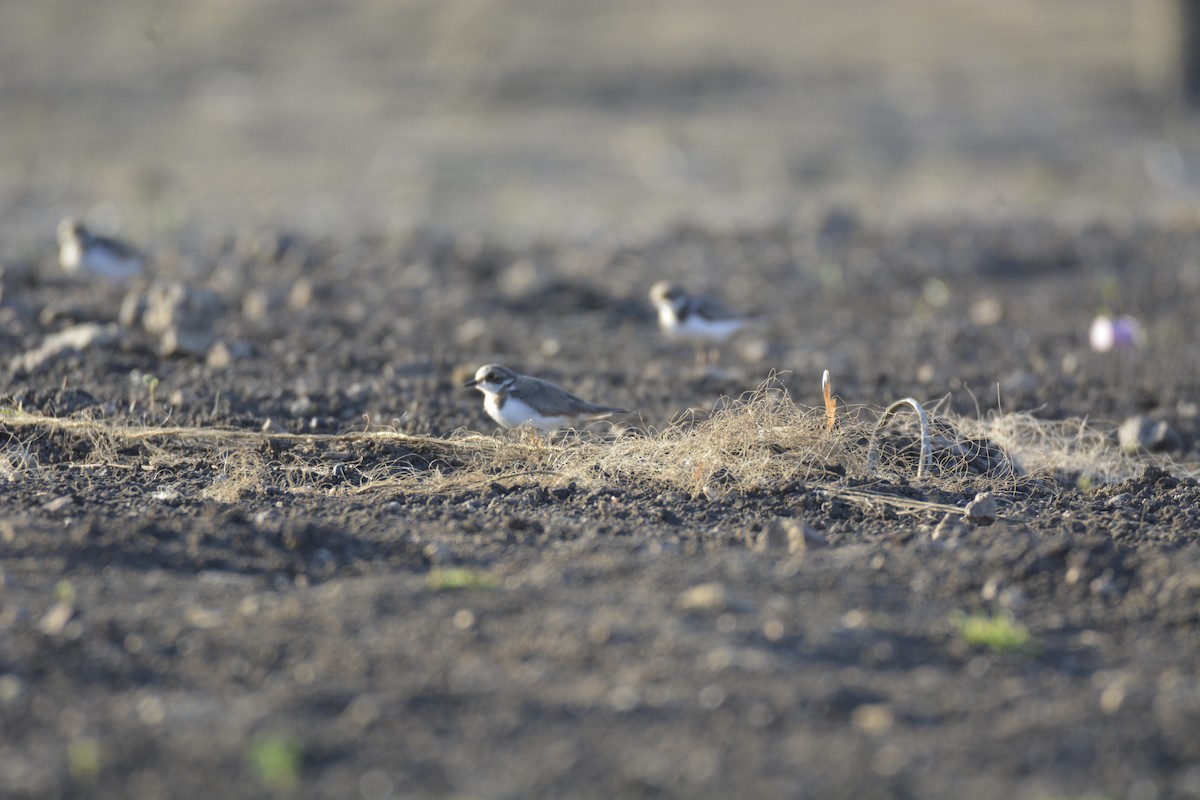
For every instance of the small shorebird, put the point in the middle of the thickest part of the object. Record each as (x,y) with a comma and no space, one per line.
(81,252)
(513,400)
(703,321)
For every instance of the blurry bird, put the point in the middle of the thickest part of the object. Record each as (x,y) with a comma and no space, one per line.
(703,321)
(81,252)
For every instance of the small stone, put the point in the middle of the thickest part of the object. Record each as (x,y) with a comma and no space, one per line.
(951,527)
(58,504)
(301,295)
(219,356)
(76,338)
(773,538)
(436,553)
(873,719)
(802,537)
(754,349)
(133,308)
(704,597)
(184,341)
(982,510)
(56,619)
(302,406)
(184,317)
(986,311)
(201,617)
(471,330)
(11,689)
(790,535)
(222,354)
(1019,382)
(1140,432)
(257,304)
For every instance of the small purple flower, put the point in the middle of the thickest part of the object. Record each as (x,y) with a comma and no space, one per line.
(1117,333)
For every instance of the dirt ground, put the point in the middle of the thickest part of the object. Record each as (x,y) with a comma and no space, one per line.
(280,564)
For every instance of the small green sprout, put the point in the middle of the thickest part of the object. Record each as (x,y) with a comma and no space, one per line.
(276,759)
(1001,633)
(84,759)
(64,591)
(151,382)
(462,578)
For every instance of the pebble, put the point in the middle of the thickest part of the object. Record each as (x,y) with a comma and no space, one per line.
(951,527)
(1140,432)
(184,317)
(788,535)
(873,719)
(56,619)
(58,504)
(436,553)
(982,510)
(222,354)
(76,338)
(704,597)
(1020,382)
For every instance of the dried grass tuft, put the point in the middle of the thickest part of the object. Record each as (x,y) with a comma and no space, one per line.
(763,441)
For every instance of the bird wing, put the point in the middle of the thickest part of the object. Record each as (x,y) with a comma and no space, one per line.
(713,309)
(118,248)
(558,402)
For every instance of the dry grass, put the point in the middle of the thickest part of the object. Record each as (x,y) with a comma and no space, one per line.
(763,442)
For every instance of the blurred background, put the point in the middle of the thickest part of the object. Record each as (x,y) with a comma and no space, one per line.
(583,118)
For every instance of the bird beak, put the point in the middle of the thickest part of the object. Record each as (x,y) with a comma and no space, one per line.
(471,383)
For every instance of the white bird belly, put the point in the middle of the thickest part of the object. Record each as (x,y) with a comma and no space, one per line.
(107,264)
(697,329)
(70,254)
(515,412)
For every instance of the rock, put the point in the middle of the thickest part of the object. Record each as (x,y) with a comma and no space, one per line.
(1140,432)
(1019,382)
(982,510)
(258,304)
(951,527)
(789,535)
(183,317)
(184,341)
(704,597)
(874,719)
(986,311)
(58,504)
(802,537)
(301,294)
(76,338)
(436,553)
(133,308)
(773,538)
(222,354)
(56,619)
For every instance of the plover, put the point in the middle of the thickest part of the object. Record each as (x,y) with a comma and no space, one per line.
(703,321)
(513,400)
(82,252)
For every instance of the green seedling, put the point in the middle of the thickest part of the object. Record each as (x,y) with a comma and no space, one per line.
(11,409)
(84,760)
(1000,634)
(64,591)
(462,578)
(151,382)
(276,760)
